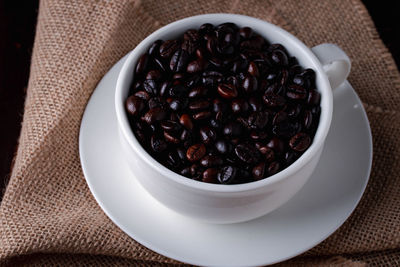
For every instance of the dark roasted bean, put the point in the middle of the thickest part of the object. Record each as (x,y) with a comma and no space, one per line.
(170,126)
(196,66)
(223,147)
(253,69)
(186,121)
(273,100)
(179,60)
(227,90)
(307,119)
(247,153)
(227,175)
(249,84)
(196,152)
(300,142)
(314,97)
(202,115)
(168,48)
(258,120)
(150,86)
(198,91)
(170,138)
(255,104)
(233,129)
(286,129)
(296,92)
(239,106)
(157,144)
(154,49)
(211,161)
(277,145)
(207,135)
(280,117)
(246,32)
(199,105)
(142,64)
(153,115)
(143,95)
(279,58)
(273,168)
(218,105)
(258,171)
(153,75)
(210,175)
(134,105)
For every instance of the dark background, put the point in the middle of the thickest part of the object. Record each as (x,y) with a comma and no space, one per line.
(17,31)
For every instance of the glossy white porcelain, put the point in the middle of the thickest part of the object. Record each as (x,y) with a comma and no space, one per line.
(242,202)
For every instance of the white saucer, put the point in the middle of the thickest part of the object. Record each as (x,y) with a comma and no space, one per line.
(321,207)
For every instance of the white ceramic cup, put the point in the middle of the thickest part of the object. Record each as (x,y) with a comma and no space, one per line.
(218,203)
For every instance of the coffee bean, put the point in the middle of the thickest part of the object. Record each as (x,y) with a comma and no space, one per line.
(202,115)
(300,142)
(296,92)
(227,91)
(314,97)
(207,135)
(196,66)
(279,57)
(157,144)
(153,75)
(151,87)
(249,84)
(143,95)
(273,100)
(223,147)
(273,168)
(186,121)
(233,129)
(170,126)
(219,105)
(191,41)
(255,104)
(258,171)
(210,175)
(154,49)
(198,91)
(196,152)
(168,48)
(142,64)
(286,129)
(307,119)
(247,153)
(199,105)
(246,32)
(258,120)
(277,145)
(153,115)
(239,106)
(179,60)
(253,69)
(134,105)
(280,117)
(211,161)
(227,175)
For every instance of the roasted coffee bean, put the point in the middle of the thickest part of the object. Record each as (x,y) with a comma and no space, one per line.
(196,152)
(279,57)
(253,69)
(179,60)
(227,91)
(154,49)
(153,115)
(199,105)
(199,91)
(202,115)
(151,87)
(258,120)
(247,153)
(314,97)
(249,84)
(197,65)
(142,64)
(273,100)
(246,32)
(186,121)
(300,142)
(239,106)
(134,105)
(170,126)
(223,147)
(211,161)
(210,175)
(277,145)
(255,104)
(157,144)
(286,129)
(273,168)
(191,41)
(296,92)
(153,75)
(307,119)
(227,175)
(207,135)
(220,104)
(177,91)
(233,129)
(258,171)
(143,95)
(280,117)
(168,48)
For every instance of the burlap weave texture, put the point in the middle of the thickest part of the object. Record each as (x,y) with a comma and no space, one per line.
(48,216)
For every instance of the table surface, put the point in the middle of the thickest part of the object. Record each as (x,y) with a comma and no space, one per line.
(17,28)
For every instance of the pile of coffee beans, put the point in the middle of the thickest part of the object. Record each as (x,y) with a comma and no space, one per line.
(223,105)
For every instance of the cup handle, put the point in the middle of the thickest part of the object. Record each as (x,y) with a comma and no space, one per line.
(335,63)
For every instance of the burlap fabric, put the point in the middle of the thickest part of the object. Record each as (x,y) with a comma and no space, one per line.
(48,216)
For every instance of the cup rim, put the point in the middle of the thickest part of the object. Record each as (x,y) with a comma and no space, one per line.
(316,145)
